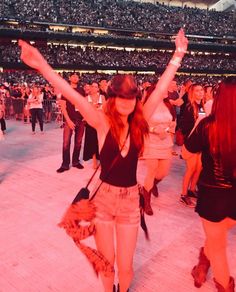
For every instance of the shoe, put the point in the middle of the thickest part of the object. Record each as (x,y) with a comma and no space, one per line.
(192,194)
(79,166)
(174,153)
(180,156)
(147,201)
(154,191)
(200,271)
(186,200)
(62,169)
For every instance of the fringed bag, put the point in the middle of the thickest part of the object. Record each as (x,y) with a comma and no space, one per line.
(83,209)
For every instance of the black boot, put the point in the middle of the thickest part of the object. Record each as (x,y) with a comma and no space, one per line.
(147,201)
(154,189)
(199,272)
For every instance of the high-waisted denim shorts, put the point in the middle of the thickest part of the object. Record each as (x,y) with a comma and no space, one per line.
(119,204)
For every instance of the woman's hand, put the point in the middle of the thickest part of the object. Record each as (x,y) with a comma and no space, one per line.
(181,43)
(31,56)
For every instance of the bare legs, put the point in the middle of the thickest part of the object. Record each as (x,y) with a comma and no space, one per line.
(215,248)
(126,235)
(156,168)
(126,243)
(104,238)
(193,169)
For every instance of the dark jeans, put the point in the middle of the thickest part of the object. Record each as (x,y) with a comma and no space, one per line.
(78,135)
(37,113)
(3,124)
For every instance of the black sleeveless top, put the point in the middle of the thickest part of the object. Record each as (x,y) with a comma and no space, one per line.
(123,172)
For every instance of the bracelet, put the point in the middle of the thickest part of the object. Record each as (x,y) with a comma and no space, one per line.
(180,50)
(175,63)
(176,59)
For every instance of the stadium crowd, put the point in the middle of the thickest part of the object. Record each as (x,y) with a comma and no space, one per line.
(123,15)
(118,58)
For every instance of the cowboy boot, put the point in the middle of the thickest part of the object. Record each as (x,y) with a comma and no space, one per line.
(147,201)
(230,287)
(199,272)
(154,189)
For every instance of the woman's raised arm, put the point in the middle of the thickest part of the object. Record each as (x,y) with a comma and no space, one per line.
(33,58)
(162,85)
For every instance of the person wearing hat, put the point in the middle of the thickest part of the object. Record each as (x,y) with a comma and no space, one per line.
(121,129)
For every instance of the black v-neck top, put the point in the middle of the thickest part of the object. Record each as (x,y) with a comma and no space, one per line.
(123,172)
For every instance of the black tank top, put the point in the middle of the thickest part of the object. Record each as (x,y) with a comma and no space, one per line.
(123,172)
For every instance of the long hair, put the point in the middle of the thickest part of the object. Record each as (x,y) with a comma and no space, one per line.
(222,129)
(192,102)
(124,86)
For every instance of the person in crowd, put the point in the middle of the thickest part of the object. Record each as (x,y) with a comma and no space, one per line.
(25,93)
(215,138)
(2,116)
(158,147)
(192,114)
(121,129)
(48,97)
(86,88)
(103,84)
(183,94)
(35,102)
(91,140)
(176,101)
(73,123)
(208,99)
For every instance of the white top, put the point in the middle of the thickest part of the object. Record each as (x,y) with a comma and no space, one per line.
(36,101)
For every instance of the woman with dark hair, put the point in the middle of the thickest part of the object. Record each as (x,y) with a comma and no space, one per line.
(121,129)
(90,139)
(215,138)
(193,112)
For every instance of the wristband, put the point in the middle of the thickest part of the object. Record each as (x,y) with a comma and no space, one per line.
(175,63)
(180,50)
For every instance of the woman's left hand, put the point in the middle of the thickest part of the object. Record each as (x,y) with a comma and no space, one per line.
(181,43)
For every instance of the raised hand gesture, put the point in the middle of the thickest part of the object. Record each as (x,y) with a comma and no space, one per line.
(181,43)
(31,56)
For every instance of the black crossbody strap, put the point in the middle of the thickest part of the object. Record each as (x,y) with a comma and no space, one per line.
(112,164)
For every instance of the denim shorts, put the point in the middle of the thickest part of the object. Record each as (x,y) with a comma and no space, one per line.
(118,204)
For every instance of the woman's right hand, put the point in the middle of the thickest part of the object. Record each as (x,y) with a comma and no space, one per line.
(31,56)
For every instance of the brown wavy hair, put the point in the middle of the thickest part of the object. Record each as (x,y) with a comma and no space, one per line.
(222,129)
(192,102)
(125,86)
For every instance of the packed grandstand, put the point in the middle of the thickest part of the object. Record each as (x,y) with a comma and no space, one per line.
(100,38)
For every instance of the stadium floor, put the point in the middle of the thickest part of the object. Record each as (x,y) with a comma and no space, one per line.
(36,255)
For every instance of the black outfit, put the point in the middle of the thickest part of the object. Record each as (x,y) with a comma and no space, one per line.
(77,119)
(187,119)
(217,188)
(123,173)
(90,143)
(3,124)
(36,114)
